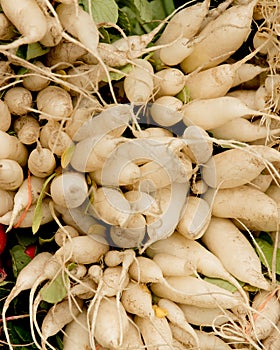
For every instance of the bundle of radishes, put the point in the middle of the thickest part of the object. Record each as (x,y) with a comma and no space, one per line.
(156,156)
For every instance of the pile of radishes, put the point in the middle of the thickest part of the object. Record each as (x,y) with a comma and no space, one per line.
(160,191)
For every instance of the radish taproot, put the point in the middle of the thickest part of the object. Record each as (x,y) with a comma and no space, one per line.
(28,18)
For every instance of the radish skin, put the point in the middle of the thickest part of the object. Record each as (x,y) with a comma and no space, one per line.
(28,18)
(113,315)
(58,316)
(18,100)
(223,237)
(267,316)
(234,23)
(82,250)
(243,130)
(25,280)
(11,175)
(76,333)
(7,201)
(172,265)
(137,300)
(28,219)
(200,316)
(155,332)
(69,189)
(254,208)
(221,172)
(41,162)
(212,113)
(193,291)
(5,116)
(21,198)
(176,316)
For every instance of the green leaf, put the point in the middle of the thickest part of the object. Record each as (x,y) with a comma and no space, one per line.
(19,259)
(37,217)
(222,283)
(144,9)
(267,250)
(35,50)
(184,95)
(55,290)
(122,73)
(124,22)
(67,155)
(104,11)
(25,238)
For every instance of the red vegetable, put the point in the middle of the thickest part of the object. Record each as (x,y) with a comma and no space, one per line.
(3,238)
(31,251)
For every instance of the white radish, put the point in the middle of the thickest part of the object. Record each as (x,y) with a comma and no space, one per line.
(69,189)
(59,141)
(29,215)
(5,116)
(7,30)
(132,339)
(63,233)
(222,237)
(172,265)
(112,314)
(34,81)
(212,113)
(27,128)
(176,316)
(58,316)
(199,147)
(11,174)
(216,81)
(7,201)
(193,291)
(18,100)
(47,130)
(54,103)
(132,234)
(243,130)
(113,121)
(246,72)
(76,334)
(234,23)
(25,280)
(23,197)
(195,218)
(137,300)
(182,27)
(252,207)
(246,96)
(198,258)
(138,84)
(53,34)
(28,18)
(41,162)
(156,332)
(209,341)
(111,206)
(268,310)
(166,110)
(221,172)
(82,250)
(200,316)
(168,81)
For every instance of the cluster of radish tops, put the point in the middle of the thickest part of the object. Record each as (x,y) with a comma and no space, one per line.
(151,218)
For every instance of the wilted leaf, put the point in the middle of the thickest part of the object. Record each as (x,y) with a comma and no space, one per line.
(267,250)
(222,283)
(37,217)
(56,290)
(19,258)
